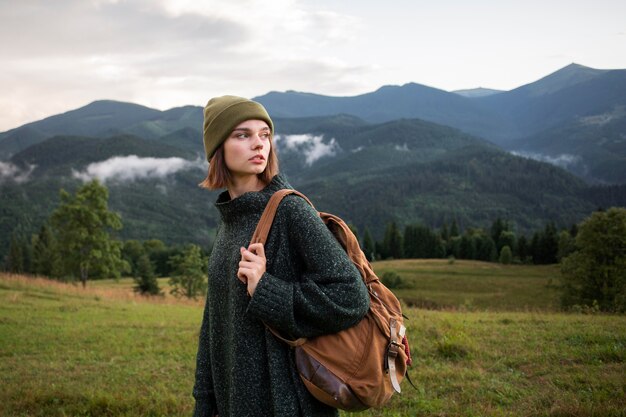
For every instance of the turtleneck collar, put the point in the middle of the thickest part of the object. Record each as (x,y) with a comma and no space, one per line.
(250,202)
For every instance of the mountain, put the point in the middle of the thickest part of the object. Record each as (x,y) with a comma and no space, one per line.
(406,170)
(388,103)
(564,78)
(552,101)
(102,119)
(528,118)
(541,119)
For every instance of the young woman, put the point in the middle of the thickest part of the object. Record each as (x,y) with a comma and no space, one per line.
(300,283)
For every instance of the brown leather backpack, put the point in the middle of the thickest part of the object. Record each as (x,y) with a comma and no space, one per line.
(360,367)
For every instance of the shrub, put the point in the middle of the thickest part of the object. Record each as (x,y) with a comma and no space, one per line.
(392,280)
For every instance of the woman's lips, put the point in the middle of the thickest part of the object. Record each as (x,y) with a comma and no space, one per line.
(257,159)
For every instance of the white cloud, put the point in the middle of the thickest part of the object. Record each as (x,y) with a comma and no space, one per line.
(132,167)
(11,172)
(563,160)
(403,148)
(313,147)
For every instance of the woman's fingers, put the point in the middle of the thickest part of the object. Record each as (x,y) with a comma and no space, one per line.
(258,249)
(252,265)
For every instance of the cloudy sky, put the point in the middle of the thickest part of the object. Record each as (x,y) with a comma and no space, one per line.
(57,55)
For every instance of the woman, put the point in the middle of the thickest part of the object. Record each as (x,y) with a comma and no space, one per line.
(300,283)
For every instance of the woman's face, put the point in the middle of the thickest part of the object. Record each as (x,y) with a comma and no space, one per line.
(247,148)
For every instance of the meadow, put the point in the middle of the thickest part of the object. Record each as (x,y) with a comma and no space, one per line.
(491,343)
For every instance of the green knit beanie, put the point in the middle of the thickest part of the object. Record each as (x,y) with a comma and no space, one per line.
(223,114)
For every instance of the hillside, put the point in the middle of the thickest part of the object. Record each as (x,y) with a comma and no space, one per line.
(153,186)
(102,118)
(405,171)
(592,147)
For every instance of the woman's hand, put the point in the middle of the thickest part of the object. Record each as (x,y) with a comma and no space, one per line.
(252,266)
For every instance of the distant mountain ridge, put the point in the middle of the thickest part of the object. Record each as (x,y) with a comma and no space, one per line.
(552,119)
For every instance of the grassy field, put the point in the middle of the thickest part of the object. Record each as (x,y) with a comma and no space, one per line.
(104,351)
(473,285)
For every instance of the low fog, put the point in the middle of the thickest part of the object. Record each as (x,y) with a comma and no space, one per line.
(11,172)
(563,160)
(132,167)
(311,146)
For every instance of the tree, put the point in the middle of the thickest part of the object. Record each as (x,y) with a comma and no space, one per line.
(368,245)
(506,255)
(43,245)
(507,238)
(145,279)
(467,247)
(160,256)
(485,248)
(393,241)
(567,245)
(548,245)
(522,249)
(421,242)
(82,224)
(596,272)
(132,251)
(16,259)
(189,273)
(497,228)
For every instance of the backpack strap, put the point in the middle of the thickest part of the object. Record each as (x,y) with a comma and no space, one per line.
(267,218)
(260,236)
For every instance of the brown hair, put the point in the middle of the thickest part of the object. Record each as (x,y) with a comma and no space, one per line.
(219,176)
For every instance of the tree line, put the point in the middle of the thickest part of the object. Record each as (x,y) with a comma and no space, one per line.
(77,243)
(498,244)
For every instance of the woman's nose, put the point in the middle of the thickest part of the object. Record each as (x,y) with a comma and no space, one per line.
(257,143)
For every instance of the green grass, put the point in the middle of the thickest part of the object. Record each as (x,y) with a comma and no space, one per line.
(86,353)
(103,351)
(472,285)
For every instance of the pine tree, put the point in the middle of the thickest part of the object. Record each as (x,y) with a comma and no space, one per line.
(467,248)
(146,282)
(15,260)
(393,241)
(189,273)
(43,245)
(522,249)
(497,228)
(368,246)
(445,233)
(454,229)
(549,244)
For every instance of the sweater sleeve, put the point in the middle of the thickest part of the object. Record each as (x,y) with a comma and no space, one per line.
(203,387)
(328,296)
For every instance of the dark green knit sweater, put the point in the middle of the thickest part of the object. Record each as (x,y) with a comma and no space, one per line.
(310,288)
